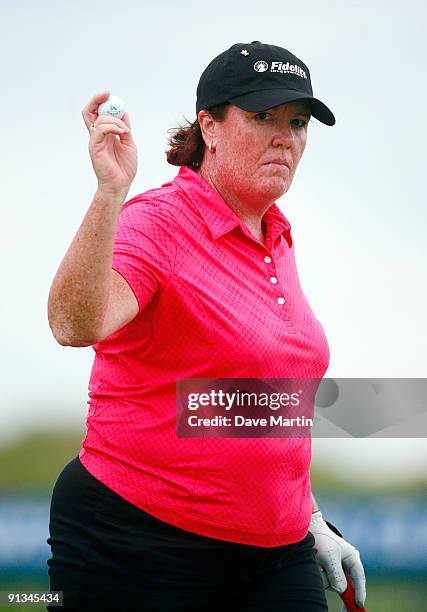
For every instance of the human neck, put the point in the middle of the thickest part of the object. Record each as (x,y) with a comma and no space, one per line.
(252,216)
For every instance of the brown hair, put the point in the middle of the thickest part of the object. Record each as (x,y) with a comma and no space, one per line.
(186,141)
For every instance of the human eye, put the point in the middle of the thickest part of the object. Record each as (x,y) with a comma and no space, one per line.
(263,116)
(299,123)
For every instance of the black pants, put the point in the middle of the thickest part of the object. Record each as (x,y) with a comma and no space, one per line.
(107,554)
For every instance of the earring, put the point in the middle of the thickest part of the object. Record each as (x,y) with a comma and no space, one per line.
(211,148)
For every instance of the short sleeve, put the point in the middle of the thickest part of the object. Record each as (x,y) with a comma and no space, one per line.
(144,247)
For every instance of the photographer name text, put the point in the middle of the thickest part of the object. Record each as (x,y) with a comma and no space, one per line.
(239,420)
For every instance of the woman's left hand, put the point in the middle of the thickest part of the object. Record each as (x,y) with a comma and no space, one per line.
(335,556)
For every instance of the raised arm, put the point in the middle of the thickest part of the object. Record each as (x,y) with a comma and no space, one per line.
(88,300)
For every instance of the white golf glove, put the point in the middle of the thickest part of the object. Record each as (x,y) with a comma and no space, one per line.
(334,555)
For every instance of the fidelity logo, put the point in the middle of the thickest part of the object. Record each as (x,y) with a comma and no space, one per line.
(260,66)
(283,67)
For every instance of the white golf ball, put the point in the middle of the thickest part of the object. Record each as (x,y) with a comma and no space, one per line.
(114,106)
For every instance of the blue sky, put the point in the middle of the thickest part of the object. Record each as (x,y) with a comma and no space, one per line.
(357,204)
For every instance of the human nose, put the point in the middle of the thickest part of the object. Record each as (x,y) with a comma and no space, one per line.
(284,136)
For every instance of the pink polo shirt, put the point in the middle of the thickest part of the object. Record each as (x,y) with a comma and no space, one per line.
(214,302)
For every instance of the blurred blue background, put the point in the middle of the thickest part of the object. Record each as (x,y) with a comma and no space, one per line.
(385,519)
(391,533)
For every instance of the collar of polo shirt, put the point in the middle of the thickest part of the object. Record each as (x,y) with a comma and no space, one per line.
(218,216)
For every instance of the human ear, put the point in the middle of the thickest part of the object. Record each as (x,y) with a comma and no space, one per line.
(207,126)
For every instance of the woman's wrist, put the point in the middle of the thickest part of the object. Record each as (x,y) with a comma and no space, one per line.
(114,195)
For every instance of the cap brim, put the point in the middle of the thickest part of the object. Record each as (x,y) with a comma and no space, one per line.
(257,101)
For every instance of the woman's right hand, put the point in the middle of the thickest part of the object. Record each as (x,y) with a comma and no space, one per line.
(114,159)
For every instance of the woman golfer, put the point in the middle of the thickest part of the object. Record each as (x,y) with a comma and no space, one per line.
(194,279)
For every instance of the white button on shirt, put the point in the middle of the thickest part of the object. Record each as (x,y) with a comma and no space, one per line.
(267,259)
(281,300)
(273,279)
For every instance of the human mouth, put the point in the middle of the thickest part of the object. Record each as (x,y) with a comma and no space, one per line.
(277,163)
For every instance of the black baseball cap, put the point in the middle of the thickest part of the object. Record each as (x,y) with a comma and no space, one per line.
(255,76)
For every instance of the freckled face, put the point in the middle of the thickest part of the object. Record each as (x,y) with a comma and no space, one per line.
(249,145)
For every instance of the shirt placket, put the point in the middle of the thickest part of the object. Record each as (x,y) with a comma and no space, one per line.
(270,268)
(272,278)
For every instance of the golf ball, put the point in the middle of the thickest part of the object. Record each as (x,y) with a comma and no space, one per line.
(113,106)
